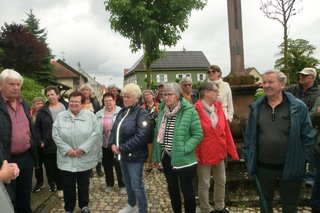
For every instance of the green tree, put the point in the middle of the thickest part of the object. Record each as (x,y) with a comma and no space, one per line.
(281,11)
(22,51)
(47,69)
(151,24)
(31,89)
(300,55)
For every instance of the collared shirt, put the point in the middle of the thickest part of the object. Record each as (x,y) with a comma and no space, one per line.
(20,134)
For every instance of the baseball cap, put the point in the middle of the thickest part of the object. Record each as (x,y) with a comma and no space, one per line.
(309,71)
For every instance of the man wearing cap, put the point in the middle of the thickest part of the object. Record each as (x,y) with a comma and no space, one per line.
(307,90)
(160,92)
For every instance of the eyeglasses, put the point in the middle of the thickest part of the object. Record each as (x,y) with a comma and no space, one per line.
(187,85)
(75,102)
(168,94)
(215,90)
(212,71)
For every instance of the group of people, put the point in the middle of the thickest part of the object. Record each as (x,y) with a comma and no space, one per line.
(179,130)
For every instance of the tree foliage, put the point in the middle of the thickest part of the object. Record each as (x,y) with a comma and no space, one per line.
(47,69)
(281,11)
(22,51)
(151,24)
(31,89)
(25,50)
(300,55)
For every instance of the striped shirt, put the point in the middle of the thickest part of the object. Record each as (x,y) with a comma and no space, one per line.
(168,135)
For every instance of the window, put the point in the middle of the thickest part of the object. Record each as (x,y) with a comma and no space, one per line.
(201,76)
(162,78)
(182,75)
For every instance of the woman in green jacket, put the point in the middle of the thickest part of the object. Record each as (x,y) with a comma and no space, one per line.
(178,131)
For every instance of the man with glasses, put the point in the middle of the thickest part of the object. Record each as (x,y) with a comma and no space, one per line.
(225,94)
(307,90)
(188,93)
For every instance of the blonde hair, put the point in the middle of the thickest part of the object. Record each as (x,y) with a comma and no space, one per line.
(132,89)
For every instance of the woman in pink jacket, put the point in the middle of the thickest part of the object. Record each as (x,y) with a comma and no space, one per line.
(216,144)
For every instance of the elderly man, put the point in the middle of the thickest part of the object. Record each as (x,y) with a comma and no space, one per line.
(307,90)
(280,128)
(15,134)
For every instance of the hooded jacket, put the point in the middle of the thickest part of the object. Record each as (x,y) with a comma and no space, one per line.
(130,133)
(216,142)
(300,144)
(187,135)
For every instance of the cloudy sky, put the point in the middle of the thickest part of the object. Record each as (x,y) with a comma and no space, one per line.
(79,31)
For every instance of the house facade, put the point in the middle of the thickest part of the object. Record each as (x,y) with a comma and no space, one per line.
(173,66)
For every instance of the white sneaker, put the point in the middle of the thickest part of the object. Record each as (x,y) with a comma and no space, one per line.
(129,209)
(109,189)
(123,190)
(60,194)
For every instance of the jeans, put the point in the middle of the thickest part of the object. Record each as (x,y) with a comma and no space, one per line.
(132,177)
(270,179)
(20,188)
(108,162)
(315,198)
(69,181)
(180,177)
(219,175)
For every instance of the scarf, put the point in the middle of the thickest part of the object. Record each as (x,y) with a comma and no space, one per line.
(167,114)
(212,110)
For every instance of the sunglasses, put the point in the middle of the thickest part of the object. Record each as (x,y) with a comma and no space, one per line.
(187,85)
(212,71)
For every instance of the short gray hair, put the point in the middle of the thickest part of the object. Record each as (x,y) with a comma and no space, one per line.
(173,87)
(186,79)
(132,89)
(206,86)
(10,74)
(281,76)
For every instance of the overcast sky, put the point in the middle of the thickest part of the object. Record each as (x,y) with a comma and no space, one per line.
(80,31)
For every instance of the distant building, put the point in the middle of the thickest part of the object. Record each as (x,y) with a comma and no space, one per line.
(172,66)
(254,72)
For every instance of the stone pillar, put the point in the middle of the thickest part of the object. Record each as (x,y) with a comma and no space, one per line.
(235,37)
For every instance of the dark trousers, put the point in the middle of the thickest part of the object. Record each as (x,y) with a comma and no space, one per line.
(315,198)
(38,172)
(183,178)
(70,181)
(53,173)
(20,188)
(108,162)
(271,179)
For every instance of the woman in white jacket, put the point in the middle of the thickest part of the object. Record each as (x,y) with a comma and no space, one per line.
(76,134)
(225,94)
(106,117)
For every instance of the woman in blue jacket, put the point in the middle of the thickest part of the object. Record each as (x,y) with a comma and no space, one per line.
(128,140)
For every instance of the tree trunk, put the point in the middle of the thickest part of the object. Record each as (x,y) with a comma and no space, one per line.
(285,53)
(148,64)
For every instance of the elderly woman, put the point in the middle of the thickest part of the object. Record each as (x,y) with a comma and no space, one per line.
(106,117)
(152,107)
(216,143)
(91,103)
(76,133)
(128,140)
(225,94)
(177,133)
(188,93)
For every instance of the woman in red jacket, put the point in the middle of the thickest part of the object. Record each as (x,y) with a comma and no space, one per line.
(216,144)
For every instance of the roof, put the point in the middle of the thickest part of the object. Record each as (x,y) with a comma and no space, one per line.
(175,60)
(63,70)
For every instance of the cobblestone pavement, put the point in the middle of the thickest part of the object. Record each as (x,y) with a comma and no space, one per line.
(158,198)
